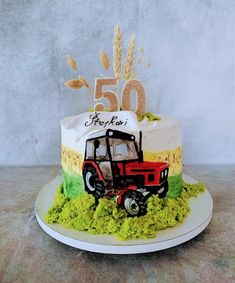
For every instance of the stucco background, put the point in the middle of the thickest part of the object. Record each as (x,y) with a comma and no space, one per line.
(190,45)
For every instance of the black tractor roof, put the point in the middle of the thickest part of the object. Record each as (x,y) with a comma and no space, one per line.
(112,134)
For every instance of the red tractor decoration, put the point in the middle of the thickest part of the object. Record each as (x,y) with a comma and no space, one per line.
(113,167)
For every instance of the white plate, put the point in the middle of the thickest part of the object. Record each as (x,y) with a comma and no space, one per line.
(194,224)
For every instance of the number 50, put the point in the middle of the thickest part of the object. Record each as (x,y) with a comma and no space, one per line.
(128,87)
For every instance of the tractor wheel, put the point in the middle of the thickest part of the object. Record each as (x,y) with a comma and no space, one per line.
(92,183)
(134,203)
(163,191)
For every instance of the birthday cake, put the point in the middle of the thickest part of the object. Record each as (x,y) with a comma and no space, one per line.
(121,169)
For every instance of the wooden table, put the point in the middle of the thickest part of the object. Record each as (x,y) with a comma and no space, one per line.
(28,254)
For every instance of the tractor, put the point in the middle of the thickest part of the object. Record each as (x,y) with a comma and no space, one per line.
(113,167)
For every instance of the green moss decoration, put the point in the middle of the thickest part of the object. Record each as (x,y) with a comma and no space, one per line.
(193,189)
(83,214)
(149,116)
(59,201)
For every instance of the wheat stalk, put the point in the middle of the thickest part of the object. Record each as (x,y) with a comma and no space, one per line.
(117,53)
(104,59)
(129,58)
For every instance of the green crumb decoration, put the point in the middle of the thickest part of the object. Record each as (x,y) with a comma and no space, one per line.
(78,213)
(193,189)
(149,116)
(84,214)
(59,202)
(107,218)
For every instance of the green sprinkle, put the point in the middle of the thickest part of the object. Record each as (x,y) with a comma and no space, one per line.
(150,117)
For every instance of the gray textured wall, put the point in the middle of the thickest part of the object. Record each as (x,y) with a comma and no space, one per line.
(190,45)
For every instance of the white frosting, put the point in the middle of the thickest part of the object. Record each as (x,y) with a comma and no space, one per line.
(161,135)
(157,135)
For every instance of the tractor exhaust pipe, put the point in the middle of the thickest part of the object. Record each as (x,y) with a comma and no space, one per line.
(140,153)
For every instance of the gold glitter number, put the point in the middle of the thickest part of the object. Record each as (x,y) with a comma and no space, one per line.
(129,86)
(110,95)
(140,99)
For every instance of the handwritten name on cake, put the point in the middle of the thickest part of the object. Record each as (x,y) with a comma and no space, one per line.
(95,120)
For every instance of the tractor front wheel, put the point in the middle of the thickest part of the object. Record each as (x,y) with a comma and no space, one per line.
(93,185)
(134,203)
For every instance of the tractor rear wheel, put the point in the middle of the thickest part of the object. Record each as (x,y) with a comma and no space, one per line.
(134,203)
(93,185)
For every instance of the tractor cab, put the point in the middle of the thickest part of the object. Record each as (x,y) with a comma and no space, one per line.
(111,145)
(108,150)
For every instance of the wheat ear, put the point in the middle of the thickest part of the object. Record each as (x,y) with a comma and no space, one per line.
(71,62)
(104,59)
(129,58)
(117,53)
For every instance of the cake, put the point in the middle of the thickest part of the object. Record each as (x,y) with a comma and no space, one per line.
(121,169)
